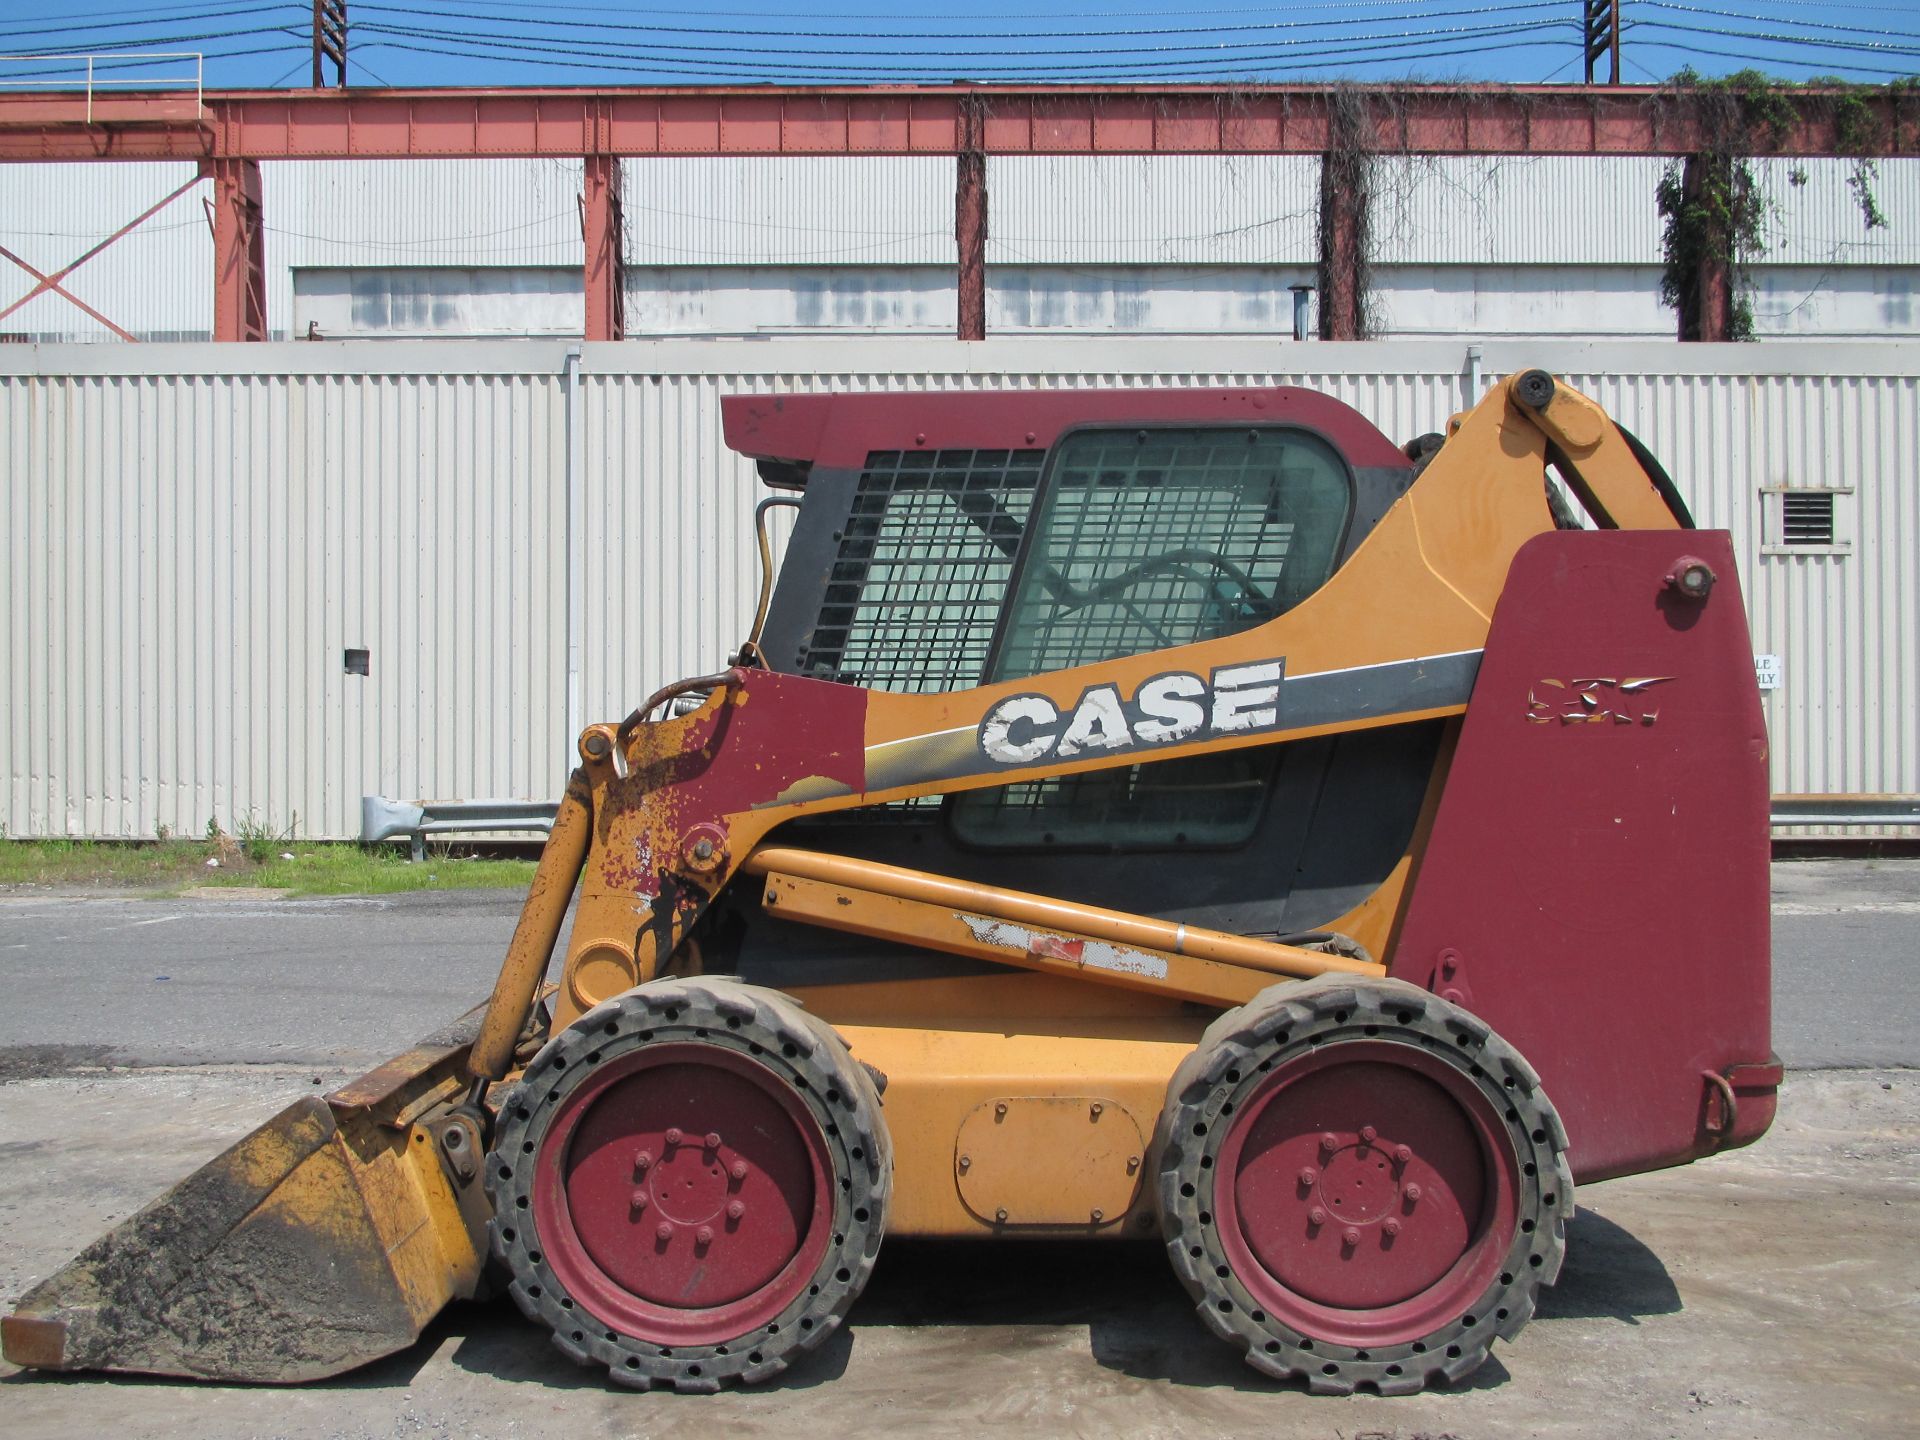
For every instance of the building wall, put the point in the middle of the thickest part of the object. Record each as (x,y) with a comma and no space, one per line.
(1490,247)
(198,532)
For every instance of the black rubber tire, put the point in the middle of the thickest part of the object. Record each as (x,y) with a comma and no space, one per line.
(1233,1059)
(777,1033)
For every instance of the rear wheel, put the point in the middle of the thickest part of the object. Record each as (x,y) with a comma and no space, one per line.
(1361,1185)
(690,1184)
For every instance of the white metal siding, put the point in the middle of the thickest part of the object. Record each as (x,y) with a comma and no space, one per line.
(808,210)
(1069,227)
(190,555)
(674,300)
(1815,214)
(156,279)
(196,533)
(1516,210)
(1159,209)
(397,213)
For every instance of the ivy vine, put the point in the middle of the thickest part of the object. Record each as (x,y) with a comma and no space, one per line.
(1713,209)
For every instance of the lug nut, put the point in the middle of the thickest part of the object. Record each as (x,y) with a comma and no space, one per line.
(1329,1142)
(713,1139)
(643,1160)
(703,1236)
(738,1170)
(1350,1238)
(639,1201)
(663,1233)
(1098,1216)
(1316,1217)
(736,1210)
(1402,1154)
(675,1135)
(966,1163)
(1412,1192)
(1391,1226)
(1309,1175)
(1001,1215)
(1369,1134)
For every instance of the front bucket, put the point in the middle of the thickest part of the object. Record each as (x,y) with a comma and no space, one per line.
(327,1238)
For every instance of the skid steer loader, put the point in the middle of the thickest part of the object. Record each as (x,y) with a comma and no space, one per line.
(1171,813)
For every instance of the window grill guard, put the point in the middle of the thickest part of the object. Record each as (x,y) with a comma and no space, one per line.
(1151,538)
(922,569)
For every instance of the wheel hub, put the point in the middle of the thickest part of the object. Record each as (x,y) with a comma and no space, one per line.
(682,1183)
(1356,1180)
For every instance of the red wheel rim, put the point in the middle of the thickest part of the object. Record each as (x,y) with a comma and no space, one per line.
(1366,1194)
(684,1194)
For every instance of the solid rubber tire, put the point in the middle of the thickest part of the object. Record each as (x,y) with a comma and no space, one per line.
(777,1033)
(1234,1058)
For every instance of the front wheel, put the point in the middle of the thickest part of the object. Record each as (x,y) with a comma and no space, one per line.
(690,1184)
(1361,1185)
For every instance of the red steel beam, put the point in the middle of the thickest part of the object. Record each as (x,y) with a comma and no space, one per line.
(600,215)
(239,252)
(970,223)
(899,120)
(1342,258)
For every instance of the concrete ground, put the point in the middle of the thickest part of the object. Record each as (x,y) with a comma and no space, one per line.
(1770,1292)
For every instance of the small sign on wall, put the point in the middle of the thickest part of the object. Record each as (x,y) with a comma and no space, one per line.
(1766,670)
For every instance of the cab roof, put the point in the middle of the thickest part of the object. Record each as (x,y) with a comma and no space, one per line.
(792,433)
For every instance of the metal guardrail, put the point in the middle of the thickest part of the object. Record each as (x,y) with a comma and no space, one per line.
(384,819)
(1846,810)
(98,75)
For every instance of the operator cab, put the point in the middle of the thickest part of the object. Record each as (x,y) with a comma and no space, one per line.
(1043,531)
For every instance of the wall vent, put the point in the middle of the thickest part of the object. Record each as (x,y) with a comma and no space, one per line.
(1805,521)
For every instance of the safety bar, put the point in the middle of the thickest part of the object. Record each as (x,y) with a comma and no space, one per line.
(384,819)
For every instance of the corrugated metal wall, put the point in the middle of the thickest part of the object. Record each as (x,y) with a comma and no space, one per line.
(1517,210)
(52,214)
(1150,210)
(196,533)
(814,210)
(406,213)
(1086,229)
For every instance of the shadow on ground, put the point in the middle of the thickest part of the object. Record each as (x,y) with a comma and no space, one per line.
(1139,1321)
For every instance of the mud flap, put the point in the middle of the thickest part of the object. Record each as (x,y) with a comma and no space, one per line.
(327,1238)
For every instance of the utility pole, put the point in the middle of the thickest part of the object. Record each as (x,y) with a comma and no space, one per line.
(330,40)
(1602,36)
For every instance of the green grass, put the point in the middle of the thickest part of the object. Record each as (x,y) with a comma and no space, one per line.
(170,866)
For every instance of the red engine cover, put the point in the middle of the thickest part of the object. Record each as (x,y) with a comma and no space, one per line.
(1596,883)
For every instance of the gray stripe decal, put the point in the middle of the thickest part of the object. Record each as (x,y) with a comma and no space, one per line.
(1398,687)
(1332,697)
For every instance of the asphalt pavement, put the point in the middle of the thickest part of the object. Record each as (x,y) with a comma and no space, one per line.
(346,983)
(1767,1292)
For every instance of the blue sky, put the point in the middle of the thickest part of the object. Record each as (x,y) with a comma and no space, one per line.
(537,42)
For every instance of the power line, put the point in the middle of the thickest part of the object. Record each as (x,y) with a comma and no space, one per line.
(799,74)
(1870,47)
(1803,24)
(1416,12)
(195,17)
(111,48)
(1276,49)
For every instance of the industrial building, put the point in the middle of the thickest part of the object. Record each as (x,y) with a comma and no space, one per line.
(440,514)
(1508,246)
